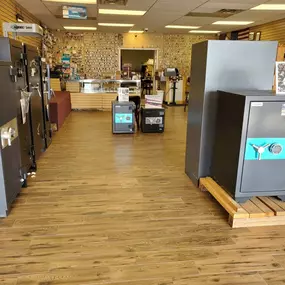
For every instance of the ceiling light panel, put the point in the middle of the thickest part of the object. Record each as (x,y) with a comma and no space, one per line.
(115,25)
(74,1)
(136,32)
(204,32)
(80,28)
(270,7)
(233,23)
(181,27)
(121,12)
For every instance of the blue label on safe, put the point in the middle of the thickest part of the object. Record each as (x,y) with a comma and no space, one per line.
(123,118)
(271,149)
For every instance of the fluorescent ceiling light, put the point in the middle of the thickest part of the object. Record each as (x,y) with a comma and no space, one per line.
(74,1)
(181,27)
(121,12)
(269,7)
(115,25)
(204,32)
(80,28)
(234,23)
(136,32)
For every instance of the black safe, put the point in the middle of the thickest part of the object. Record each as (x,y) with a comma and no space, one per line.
(152,120)
(13,51)
(37,111)
(10,157)
(249,144)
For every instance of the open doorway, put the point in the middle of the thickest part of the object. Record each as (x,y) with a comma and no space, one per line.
(141,64)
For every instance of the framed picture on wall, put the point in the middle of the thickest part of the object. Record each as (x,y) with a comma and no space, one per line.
(258,36)
(280,77)
(251,36)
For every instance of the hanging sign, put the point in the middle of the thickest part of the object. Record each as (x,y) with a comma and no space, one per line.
(74,12)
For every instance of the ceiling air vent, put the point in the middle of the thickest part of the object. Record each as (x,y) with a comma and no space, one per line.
(113,2)
(223,13)
(230,12)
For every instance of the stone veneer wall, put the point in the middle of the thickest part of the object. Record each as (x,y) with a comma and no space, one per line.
(99,52)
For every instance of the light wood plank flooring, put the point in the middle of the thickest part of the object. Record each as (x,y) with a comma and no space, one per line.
(119,210)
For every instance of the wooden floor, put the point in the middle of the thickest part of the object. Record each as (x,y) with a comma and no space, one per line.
(119,210)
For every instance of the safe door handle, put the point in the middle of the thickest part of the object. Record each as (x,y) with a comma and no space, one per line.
(7,135)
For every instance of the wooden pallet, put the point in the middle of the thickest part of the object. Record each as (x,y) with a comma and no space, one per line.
(258,211)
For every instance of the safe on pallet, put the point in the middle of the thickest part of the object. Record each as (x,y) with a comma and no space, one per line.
(123,117)
(249,145)
(152,120)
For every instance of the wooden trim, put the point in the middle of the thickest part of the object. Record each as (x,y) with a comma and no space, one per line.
(258,211)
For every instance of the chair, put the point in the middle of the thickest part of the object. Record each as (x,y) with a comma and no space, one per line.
(147,85)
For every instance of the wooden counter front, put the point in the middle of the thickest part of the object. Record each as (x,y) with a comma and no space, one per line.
(92,101)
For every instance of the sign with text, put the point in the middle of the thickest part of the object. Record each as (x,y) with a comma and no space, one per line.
(74,12)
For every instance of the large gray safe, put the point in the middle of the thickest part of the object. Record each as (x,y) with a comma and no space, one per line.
(249,144)
(220,65)
(123,120)
(10,178)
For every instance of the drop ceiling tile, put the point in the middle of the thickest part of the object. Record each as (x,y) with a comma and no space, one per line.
(184,6)
(225,5)
(78,23)
(143,5)
(275,2)
(254,15)
(117,19)
(253,2)
(198,21)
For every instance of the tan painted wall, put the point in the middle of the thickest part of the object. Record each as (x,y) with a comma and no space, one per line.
(8,11)
(274,31)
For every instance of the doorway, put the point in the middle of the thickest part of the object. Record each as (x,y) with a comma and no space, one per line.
(142,63)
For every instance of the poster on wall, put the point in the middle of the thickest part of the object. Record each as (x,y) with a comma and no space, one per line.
(74,12)
(65,60)
(280,77)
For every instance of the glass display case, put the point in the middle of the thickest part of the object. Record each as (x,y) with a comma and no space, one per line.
(109,86)
(99,94)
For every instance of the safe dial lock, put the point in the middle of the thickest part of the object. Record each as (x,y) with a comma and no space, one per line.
(276,148)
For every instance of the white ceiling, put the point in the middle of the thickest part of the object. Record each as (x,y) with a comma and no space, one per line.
(159,14)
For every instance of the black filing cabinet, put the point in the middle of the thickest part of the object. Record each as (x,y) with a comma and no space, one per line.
(249,144)
(152,120)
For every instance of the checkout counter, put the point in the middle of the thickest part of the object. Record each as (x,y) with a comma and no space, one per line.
(98,94)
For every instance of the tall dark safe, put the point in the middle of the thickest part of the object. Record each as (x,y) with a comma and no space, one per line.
(37,115)
(10,179)
(45,88)
(220,65)
(249,144)
(12,51)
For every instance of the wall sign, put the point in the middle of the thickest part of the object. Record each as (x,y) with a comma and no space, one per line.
(74,12)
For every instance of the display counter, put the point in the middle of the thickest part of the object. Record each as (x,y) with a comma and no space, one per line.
(98,94)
